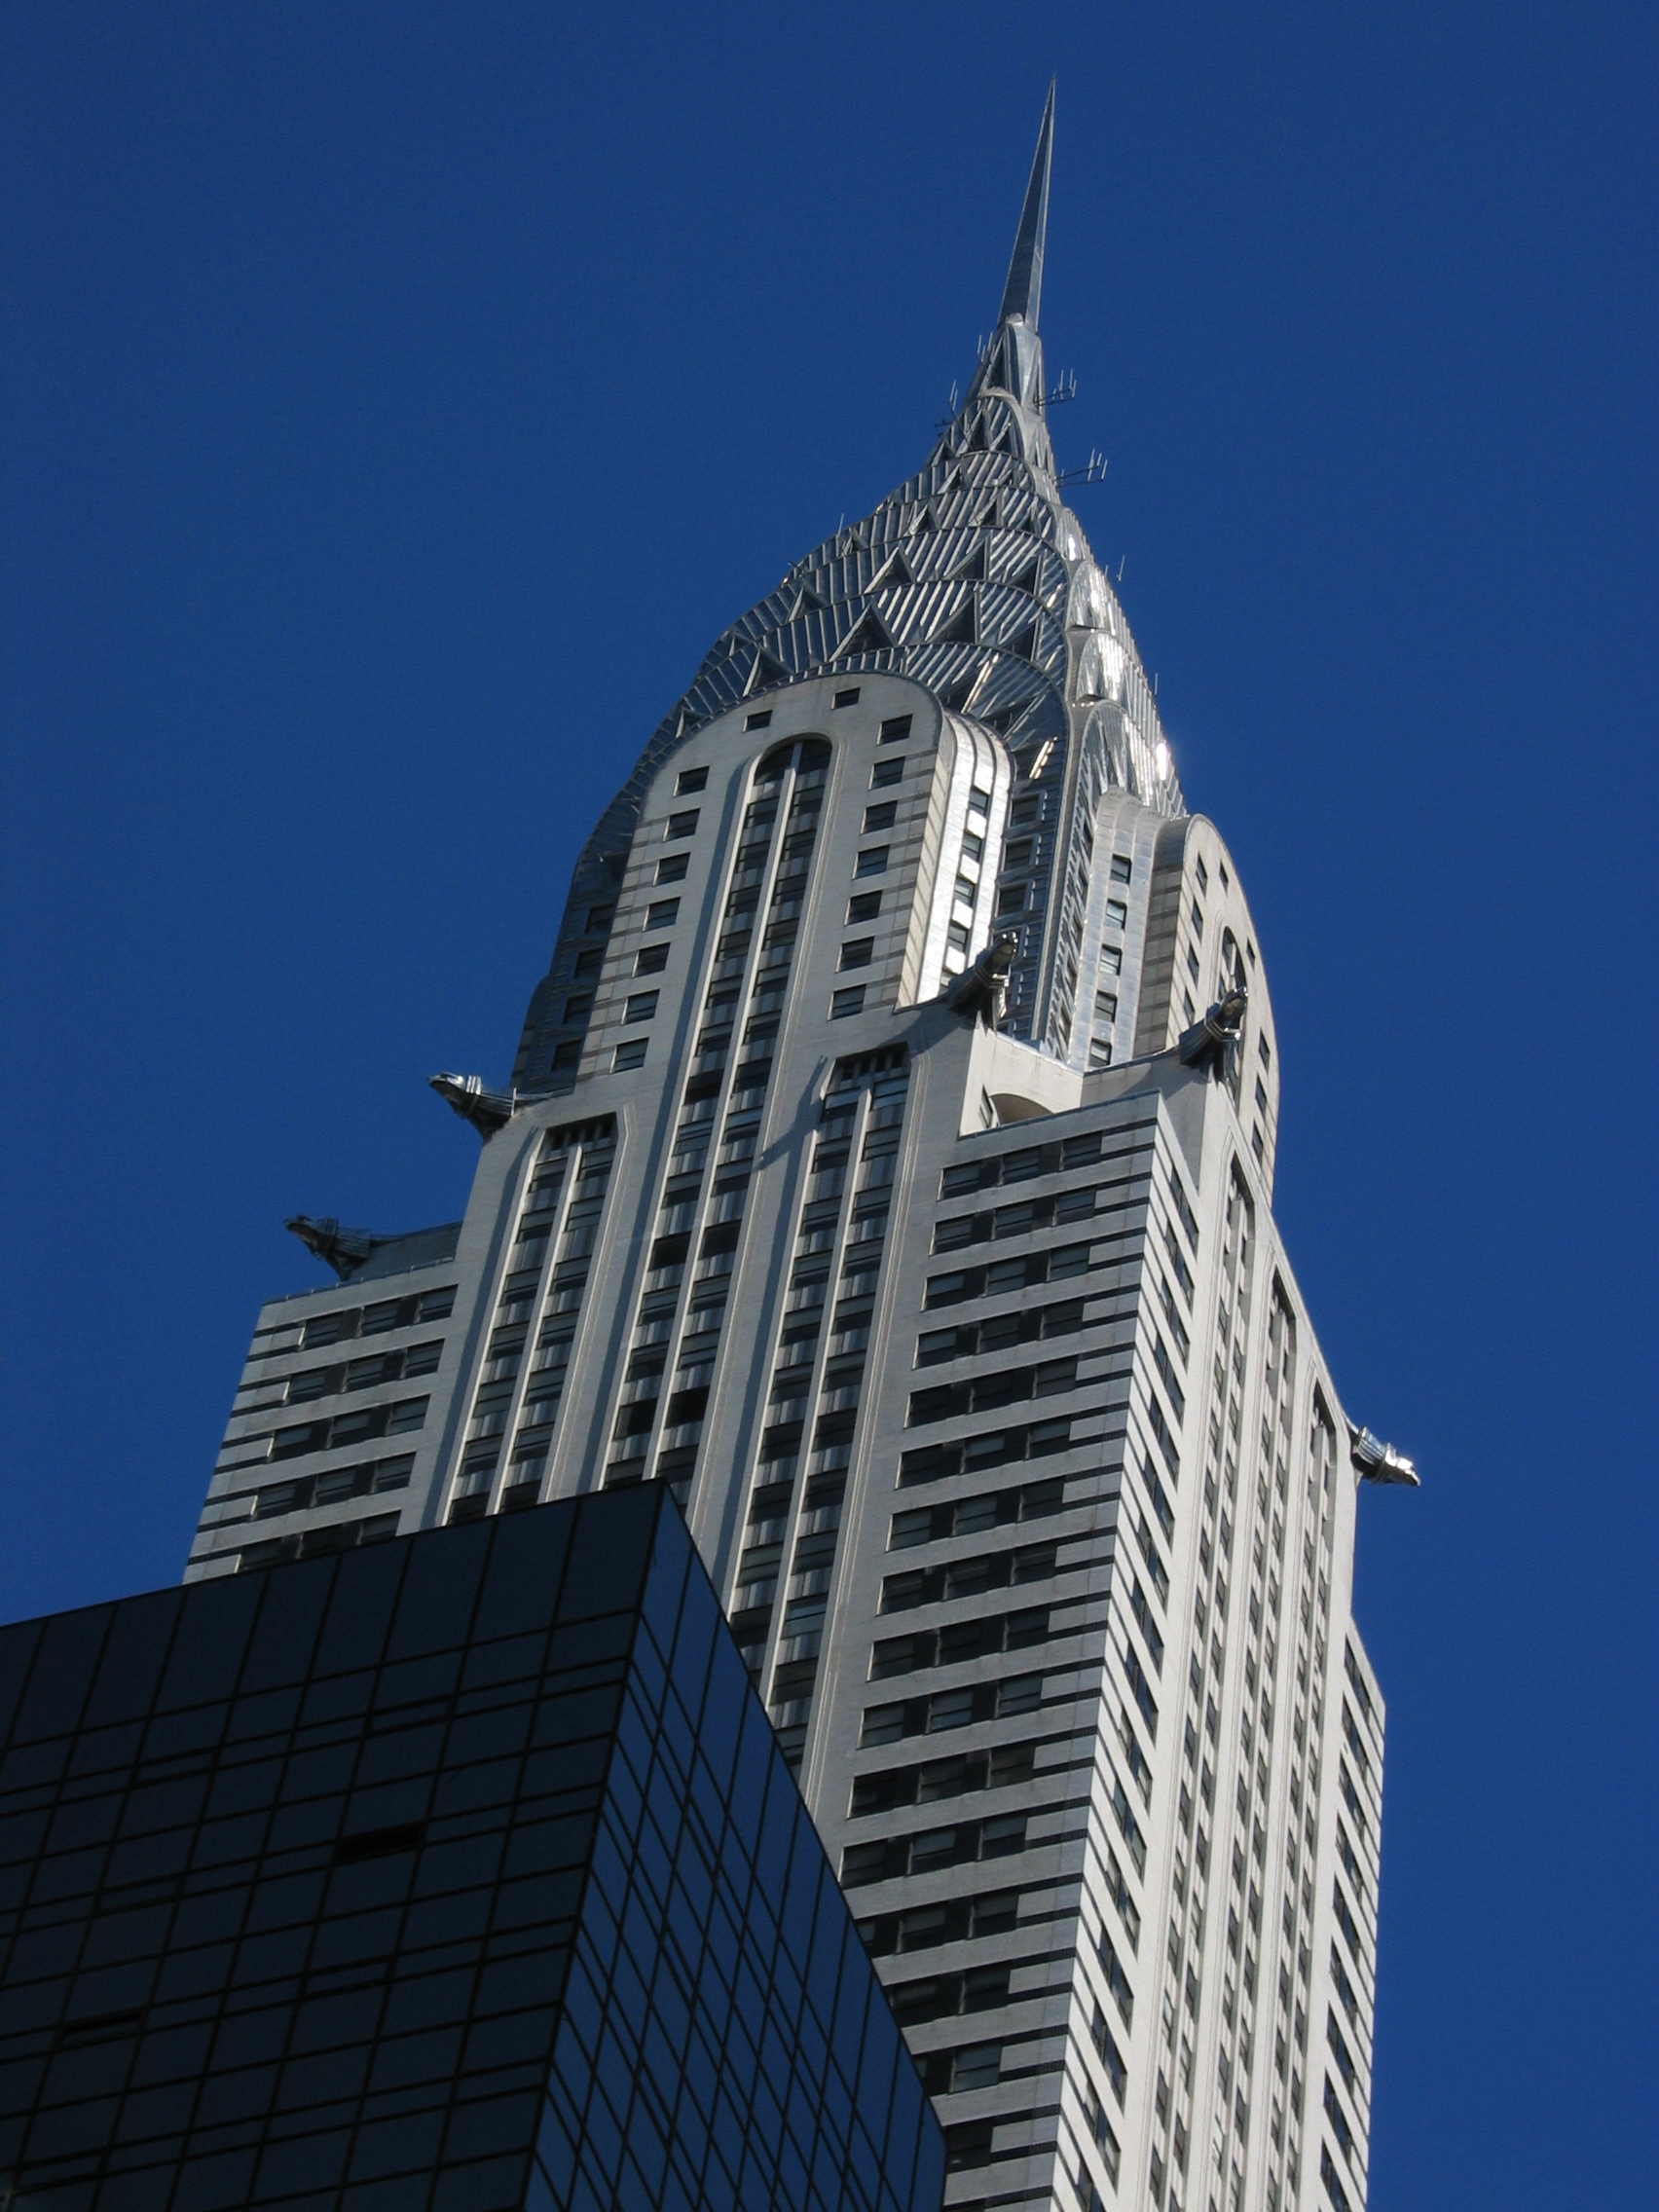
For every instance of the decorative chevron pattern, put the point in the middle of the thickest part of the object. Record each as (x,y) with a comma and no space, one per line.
(974,581)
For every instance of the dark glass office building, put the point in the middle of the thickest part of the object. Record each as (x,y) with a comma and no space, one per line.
(459,1873)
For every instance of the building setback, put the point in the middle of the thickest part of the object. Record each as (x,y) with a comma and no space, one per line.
(462,1874)
(887,1168)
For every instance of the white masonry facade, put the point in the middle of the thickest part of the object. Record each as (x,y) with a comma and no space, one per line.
(888,1168)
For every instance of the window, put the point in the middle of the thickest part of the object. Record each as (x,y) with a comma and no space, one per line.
(1011,898)
(968,2144)
(630,1056)
(589,962)
(1197,921)
(856,952)
(1184,1208)
(567,1056)
(682,825)
(1149,1628)
(847,1002)
(673,869)
(1160,1505)
(980,2067)
(973,846)
(886,772)
(662,915)
(1117,914)
(864,906)
(1361,1694)
(1100,1055)
(1333,2185)
(873,861)
(652,960)
(1105,1005)
(599,920)
(1166,1367)
(642,1006)
(1266,1050)
(956,937)
(880,817)
(1123,868)
(895,731)
(761,720)
(576,1009)
(848,698)
(1343,1912)
(690,780)
(1111,960)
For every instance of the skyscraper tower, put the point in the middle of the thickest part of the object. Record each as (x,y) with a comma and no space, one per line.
(887,1168)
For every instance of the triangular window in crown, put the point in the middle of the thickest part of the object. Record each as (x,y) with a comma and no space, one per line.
(952,483)
(974,568)
(868,635)
(897,572)
(805,600)
(977,443)
(962,628)
(988,515)
(1026,645)
(1027,580)
(924,522)
(1004,444)
(766,671)
(956,695)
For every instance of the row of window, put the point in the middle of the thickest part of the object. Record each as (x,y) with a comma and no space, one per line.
(996,1448)
(955,1920)
(356,1427)
(999,1332)
(798,1386)
(333,1487)
(318,1543)
(587,1152)
(971,1516)
(1029,1215)
(343,1322)
(1005,1766)
(969,1704)
(986,1393)
(969,1577)
(312,1382)
(960,1643)
(1026,1272)
(931,1851)
(1029,1161)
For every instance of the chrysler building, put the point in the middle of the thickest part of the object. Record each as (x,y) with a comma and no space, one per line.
(886,1167)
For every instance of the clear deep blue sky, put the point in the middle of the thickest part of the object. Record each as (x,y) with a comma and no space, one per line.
(396,402)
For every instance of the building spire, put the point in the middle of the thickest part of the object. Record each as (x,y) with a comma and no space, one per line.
(1022,294)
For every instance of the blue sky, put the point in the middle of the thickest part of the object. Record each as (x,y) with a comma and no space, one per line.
(397,401)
